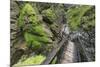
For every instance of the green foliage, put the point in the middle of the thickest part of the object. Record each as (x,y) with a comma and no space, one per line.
(26,11)
(35,41)
(39,29)
(30,40)
(32,29)
(75,14)
(88,20)
(38,59)
(50,14)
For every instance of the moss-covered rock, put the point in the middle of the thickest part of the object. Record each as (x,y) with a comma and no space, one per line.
(49,15)
(31,27)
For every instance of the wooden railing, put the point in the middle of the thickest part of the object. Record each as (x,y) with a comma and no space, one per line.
(54,52)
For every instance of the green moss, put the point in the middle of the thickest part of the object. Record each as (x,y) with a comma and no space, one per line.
(39,29)
(75,14)
(31,41)
(26,11)
(34,60)
(31,27)
(50,14)
(35,41)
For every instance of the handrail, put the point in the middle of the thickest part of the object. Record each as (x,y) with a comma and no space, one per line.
(53,53)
